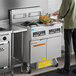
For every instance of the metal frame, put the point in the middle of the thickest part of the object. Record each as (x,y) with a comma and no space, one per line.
(16,62)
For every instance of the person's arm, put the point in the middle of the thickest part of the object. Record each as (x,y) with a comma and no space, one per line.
(65,6)
(56,13)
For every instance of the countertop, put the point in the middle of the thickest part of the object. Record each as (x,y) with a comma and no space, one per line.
(17,29)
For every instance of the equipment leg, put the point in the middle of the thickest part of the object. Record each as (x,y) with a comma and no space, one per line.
(28,68)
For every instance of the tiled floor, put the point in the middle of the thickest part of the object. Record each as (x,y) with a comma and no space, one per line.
(37,71)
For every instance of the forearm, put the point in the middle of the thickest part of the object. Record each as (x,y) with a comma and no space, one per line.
(65,6)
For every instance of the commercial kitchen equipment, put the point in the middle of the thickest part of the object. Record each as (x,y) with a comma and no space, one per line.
(42,42)
(5,50)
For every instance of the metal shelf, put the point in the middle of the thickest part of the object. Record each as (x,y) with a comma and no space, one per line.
(16,63)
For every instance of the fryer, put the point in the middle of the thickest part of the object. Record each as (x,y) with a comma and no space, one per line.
(41,41)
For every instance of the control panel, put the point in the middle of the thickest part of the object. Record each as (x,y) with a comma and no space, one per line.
(39,33)
(53,31)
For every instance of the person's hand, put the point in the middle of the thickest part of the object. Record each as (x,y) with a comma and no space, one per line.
(57,20)
(56,13)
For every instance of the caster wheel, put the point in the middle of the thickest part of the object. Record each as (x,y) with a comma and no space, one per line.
(56,65)
(12,74)
(36,75)
(3,74)
(22,71)
(29,72)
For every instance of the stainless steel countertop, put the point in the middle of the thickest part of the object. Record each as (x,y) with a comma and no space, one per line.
(17,29)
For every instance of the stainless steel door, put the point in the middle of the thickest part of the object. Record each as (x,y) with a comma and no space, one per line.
(4,48)
(54,47)
(38,51)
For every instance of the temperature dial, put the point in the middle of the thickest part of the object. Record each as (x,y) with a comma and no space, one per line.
(4,38)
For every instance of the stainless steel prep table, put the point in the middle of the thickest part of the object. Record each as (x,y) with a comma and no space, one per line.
(16,62)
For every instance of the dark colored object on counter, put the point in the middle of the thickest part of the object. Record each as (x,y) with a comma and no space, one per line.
(28,23)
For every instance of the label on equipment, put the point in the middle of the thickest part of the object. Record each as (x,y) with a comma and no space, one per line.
(39,44)
(32,29)
(45,63)
(43,58)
